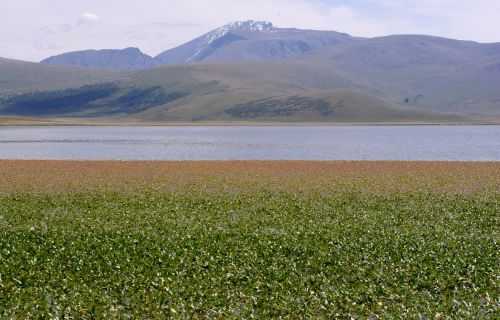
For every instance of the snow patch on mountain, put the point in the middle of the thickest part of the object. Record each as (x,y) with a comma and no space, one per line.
(250,25)
(219,33)
(247,26)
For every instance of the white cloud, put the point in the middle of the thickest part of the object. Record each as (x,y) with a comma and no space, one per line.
(34,29)
(88,17)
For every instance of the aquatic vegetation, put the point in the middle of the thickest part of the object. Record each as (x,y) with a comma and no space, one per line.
(191,252)
(261,255)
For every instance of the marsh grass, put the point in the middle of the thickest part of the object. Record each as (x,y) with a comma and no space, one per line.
(255,254)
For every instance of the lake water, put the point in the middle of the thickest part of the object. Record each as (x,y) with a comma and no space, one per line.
(252,143)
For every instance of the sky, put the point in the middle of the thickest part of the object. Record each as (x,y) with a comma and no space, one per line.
(35,29)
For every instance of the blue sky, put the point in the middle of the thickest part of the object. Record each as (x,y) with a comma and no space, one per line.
(34,29)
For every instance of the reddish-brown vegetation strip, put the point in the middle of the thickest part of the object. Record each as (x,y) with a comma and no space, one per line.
(300,176)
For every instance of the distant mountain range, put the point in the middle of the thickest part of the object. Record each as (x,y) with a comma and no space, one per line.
(238,41)
(254,71)
(251,41)
(126,59)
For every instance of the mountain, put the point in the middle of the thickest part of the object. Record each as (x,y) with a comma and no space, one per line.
(428,73)
(238,41)
(253,91)
(256,71)
(251,41)
(126,59)
(17,77)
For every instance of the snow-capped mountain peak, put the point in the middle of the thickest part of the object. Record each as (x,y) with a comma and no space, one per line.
(248,26)
(216,35)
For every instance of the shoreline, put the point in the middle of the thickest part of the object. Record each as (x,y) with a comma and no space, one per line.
(68,122)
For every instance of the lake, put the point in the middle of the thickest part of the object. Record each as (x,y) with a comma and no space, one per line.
(252,143)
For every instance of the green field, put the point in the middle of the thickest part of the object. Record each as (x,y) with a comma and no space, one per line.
(249,239)
(260,254)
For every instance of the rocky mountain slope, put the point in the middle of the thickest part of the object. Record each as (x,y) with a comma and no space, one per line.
(251,40)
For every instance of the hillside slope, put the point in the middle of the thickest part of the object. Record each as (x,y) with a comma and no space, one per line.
(223,92)
(424,73)
(254,71)
(126,59)
(428,73)
(21,77)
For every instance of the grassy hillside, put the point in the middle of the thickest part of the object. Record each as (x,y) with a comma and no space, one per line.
(310,90)
(427,73)
(253,71)
(270,91)
(21,77)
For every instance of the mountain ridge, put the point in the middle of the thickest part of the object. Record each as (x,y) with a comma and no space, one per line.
(260,39)
(255,71)
(238,41)
(114,59)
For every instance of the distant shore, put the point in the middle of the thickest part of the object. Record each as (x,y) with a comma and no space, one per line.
(28,121)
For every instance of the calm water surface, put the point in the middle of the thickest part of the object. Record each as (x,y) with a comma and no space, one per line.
(252,143)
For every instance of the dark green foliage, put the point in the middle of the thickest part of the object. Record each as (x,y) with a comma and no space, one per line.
(276,107)
(57,102)
(262,255)
(94,100)
(139,99)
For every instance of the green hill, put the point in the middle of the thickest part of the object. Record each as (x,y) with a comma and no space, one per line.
(254,71)
(21,77)
(218,92)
